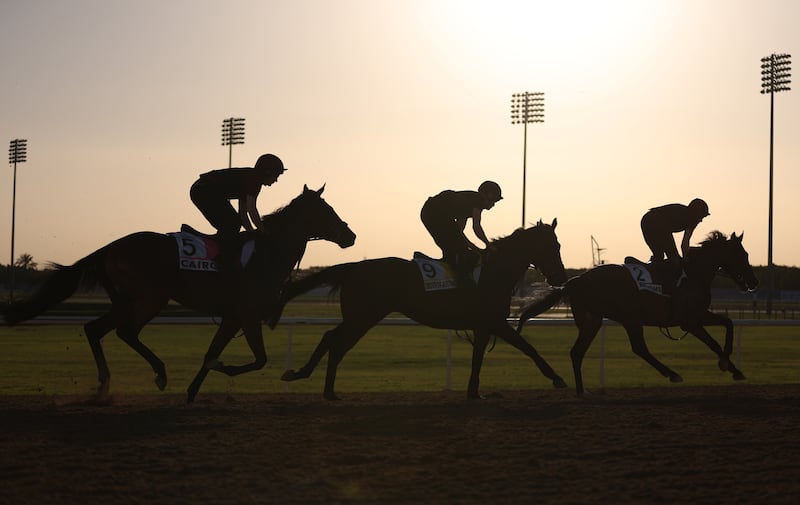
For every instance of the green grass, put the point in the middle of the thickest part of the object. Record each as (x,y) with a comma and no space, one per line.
(55,359)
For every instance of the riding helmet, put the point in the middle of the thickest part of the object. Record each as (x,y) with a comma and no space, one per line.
(270,162)
(491,189)
(699,207)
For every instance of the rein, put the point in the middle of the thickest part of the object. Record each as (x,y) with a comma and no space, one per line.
(665,331)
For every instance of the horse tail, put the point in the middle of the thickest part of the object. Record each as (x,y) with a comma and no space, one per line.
(331,276)
(539,306)
(61,284)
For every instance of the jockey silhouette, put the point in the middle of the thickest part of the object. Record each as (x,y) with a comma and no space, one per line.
(212,192)
(659,223)
(445,217)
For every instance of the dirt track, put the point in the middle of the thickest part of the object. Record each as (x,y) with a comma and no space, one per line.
(735,444)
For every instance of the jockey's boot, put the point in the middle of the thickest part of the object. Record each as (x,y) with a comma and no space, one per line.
(464,267)
(227,261)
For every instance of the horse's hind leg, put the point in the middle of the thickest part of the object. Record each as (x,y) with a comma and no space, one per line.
(346,337)
(316,356)
(129,333)
(588,326)
(95,331)
(131,315)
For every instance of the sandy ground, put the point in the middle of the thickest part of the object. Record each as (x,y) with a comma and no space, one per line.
(680,444)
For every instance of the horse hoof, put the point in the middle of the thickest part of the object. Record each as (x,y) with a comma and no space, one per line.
(289,376)
(675,378)
(724,364)
(161,382)
(559,383)
(738,376)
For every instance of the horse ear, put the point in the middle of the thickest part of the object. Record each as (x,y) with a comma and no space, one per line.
(555,223)
(305,188)
(320,190)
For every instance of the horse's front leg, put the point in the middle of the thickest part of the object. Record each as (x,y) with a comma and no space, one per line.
(507,333)
(227,329)
(255,340)
(478,351)
(724,355)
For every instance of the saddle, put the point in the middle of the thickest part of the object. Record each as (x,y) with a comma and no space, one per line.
(438,274)
(202,252)
(185,228)
(658,276)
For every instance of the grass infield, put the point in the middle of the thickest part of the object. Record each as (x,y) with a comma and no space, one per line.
(55,359)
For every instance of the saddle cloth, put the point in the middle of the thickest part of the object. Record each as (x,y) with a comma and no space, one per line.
(438,275)
(641,276)
(199,252)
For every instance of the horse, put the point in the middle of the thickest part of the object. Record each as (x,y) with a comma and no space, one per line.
(610,291)
(371,289)
(140,274)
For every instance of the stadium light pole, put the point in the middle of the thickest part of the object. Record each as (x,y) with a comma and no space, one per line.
(526,108)
(775,77)
(17,153)
(232,133)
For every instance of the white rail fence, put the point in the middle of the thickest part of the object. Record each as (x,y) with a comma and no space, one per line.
(739,326)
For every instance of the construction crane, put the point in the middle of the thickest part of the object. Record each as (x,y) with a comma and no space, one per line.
(596,249)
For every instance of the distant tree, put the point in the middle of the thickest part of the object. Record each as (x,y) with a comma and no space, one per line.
(25,262)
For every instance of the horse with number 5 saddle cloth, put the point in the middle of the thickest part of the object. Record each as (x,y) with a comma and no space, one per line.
(372,289)
(143,271)
(631,295)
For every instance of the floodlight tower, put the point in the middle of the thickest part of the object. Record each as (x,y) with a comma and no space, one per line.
(775,77)
(232,133)
(17,153)
(526,108)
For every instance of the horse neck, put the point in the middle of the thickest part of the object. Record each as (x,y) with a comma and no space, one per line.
(286,243)
(703,264)
(507,265)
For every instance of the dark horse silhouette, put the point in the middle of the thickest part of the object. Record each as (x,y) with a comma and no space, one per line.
(140,274)
(610,291)
(371,289)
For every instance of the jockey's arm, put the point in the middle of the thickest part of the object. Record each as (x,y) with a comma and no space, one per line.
(477,228)
(687,236)
(252,214)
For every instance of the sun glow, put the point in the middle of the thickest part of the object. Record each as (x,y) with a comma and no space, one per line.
(546,40)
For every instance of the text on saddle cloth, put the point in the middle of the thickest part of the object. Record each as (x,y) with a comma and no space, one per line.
(438,275)
(199,253)
(641,275)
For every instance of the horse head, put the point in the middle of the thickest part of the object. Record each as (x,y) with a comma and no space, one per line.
(545,252)
(319,220)
(736,263)
(732,258)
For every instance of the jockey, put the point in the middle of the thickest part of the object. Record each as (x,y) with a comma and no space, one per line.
(659,223)
(445,217)
(212,192)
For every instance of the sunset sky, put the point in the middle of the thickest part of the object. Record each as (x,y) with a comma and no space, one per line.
(387,102)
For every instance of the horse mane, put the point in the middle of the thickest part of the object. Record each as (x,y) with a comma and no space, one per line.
(275,215)
(714,237)
(499,240)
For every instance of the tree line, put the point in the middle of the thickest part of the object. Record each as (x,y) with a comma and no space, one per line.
(27,273)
